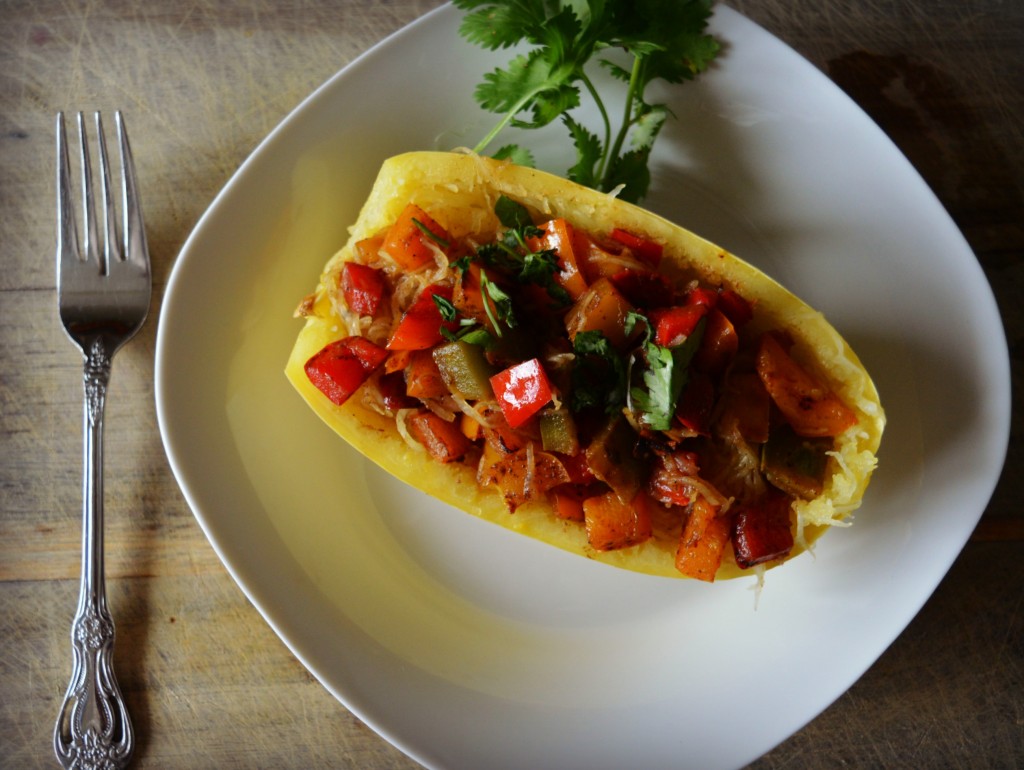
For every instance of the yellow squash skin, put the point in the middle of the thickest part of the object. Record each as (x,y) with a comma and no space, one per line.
(459,191)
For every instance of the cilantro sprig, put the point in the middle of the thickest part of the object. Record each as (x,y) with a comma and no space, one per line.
(664,372)
(663,40)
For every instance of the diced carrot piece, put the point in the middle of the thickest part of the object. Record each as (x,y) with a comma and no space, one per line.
(808,405)
(442,439)
(612,524)
(649,251)
(702,542)
(559,237)
(594,259)
(568,499)
(471,428)
(719,344)
(422,377)
(397,361)
(603,308)
(521,480)
(407,243)
(367,249)
(468,296)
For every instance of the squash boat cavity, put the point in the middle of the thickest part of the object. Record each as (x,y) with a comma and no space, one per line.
(458,193)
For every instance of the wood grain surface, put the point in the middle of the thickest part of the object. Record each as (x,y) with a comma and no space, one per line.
(203,81)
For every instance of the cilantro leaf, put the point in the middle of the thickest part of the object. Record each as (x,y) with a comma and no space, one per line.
(518,155)
(588,153)
(663,377)
(512,214)
(598,376)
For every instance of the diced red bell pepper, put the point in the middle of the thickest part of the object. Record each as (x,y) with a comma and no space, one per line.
(809,406)
(612,524)
(735,307)
(578,468)
(407,244)
(762,532)
(420,325)
(644,288)
(673,325)
(522,390)
(649,251)
(340,367)
(696,403)
(363,287)
(702,296)
(392,391)
(669,482)
(443,440)
(596,260)
(702,542)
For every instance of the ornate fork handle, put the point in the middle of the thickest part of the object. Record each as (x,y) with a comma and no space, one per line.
(94,731)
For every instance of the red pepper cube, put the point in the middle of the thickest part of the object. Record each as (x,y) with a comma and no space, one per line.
(735,307)
(649,251)
(702,296)
(420,325)
(762,532)
(363,287)
(673,325)
(644,288)
(521,391)
(343,365)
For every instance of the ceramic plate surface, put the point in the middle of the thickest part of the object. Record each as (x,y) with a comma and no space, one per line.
(468,646)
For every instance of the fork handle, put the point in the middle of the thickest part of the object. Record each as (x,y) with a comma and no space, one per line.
(93,729)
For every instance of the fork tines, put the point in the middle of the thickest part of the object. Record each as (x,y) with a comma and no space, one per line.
(133,244)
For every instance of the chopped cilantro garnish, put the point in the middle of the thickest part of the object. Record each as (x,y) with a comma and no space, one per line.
(598,375)
(663,375)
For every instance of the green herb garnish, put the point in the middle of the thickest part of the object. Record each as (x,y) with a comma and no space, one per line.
(430,234)
(662,40)
(512,254)
(598,374)
(664,374)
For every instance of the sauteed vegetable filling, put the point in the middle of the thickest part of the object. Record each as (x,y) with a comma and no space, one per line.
(565,368)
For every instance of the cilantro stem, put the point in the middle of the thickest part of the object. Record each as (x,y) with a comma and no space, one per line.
(604,117)
(627,119)
(507,118)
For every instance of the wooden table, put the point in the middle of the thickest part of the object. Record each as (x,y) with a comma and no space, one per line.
(208,682)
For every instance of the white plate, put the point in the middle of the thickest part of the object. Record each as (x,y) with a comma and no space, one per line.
(467,646)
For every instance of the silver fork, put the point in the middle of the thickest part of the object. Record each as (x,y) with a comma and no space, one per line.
(103,298)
